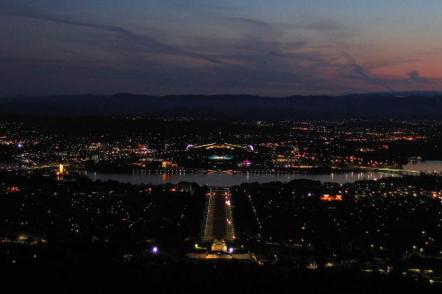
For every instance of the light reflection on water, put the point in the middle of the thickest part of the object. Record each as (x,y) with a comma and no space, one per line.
(225,180)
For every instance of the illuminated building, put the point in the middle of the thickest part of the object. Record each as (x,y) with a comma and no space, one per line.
(219,246)
(13,189)
(166,164)
(61,169)
(61,172)
(219,155)
(331,198)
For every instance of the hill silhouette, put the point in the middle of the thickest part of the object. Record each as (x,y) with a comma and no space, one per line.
(371,106)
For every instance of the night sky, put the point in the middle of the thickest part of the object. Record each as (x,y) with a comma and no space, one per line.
(277,47)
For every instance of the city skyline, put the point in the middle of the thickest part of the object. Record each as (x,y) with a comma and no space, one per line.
(207,47)
(215,146)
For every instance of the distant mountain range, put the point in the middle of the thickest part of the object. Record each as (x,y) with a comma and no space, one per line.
(418,105)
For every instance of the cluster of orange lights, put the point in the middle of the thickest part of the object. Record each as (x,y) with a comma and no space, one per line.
(166,164)
(332,198)
(437,195)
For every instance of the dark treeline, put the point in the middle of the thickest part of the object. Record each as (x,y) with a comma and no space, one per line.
(402,106)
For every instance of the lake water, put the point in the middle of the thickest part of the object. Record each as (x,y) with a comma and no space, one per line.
(226,180)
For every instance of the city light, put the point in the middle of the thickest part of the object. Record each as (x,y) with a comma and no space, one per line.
(221,146)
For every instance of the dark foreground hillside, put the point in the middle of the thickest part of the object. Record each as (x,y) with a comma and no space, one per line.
(94,276)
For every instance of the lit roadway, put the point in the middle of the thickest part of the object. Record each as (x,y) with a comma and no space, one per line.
(392,170)
(218,223)
(218,229)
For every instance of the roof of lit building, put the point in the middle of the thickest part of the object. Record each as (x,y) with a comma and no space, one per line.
(223,146)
